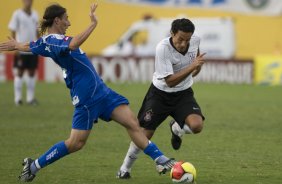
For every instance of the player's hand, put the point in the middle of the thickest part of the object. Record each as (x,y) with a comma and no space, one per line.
(199,61)
(9,45)
(92,15)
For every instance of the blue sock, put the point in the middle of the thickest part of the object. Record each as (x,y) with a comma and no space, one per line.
(58,151)
(153,151)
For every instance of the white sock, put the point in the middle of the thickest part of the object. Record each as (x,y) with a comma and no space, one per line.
(30,85)
(18,83)
(181,131)
(177,129)
(130,157)
(187,129)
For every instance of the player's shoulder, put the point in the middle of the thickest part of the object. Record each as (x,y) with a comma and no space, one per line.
(35,13)
(163,44)
(18,12)
(52,38)
(195,37)
(195,40)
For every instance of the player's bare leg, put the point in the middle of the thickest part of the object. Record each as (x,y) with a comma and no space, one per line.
(75,142)
(131,157)
(124,116)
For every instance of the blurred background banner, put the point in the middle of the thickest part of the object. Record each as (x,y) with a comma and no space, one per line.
(258,7)
(124,42)
(141,38)
(268,70)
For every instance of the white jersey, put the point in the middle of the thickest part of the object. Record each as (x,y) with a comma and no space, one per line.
(24,25)
(169,61)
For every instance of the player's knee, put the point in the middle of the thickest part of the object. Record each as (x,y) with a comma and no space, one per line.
(74,146)
(197,126)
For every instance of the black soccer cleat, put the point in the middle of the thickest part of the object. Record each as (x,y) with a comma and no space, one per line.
(33,102)
(123,175)
(26,175)
(19,103)
(166,166)
(175,139)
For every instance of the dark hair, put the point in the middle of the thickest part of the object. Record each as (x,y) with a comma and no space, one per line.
(51,12)
(183,24)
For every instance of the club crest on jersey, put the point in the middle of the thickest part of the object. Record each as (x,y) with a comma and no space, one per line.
(192,55)
(47,48)
(148,115)
(75,100)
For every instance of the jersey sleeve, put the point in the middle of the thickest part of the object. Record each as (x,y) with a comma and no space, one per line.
(163,65)
(13,24)
(38,47)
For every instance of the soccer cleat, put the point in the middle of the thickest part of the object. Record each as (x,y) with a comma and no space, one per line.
(175,139)
(33,102)
(162,168)
(19,103)
(123,175)
(26,175)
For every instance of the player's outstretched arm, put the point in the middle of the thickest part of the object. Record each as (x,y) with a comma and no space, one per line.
(12,45)
(80,38)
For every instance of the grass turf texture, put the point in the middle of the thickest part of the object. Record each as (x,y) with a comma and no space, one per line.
(241,141)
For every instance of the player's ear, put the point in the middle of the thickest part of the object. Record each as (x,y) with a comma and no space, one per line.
(56,20)
(171,33)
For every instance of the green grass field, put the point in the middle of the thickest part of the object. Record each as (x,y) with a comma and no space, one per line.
(241,141)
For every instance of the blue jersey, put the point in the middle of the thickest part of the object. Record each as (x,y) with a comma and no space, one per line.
(86,86)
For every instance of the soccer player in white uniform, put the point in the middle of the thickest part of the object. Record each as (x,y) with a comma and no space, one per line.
(23,26)
(177,61)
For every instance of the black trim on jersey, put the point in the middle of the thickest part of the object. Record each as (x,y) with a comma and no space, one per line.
(183,53)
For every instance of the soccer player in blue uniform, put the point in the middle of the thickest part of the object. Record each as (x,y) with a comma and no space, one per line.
(90,96)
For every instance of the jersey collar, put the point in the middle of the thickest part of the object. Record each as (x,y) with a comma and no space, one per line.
(183,53)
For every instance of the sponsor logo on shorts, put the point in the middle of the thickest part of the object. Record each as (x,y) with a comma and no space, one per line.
(148,115)
(196,108)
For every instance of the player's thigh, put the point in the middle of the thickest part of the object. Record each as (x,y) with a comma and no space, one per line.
(152,113)
(115,107)
(123,115)
(188,111)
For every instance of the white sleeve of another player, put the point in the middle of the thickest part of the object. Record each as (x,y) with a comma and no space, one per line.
(36,17)
(13,24)
(163,65)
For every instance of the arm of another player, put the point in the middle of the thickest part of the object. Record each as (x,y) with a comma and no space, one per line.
(13,45)
(80,38)
(198,69)
(173,80)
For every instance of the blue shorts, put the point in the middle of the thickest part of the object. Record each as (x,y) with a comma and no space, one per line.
(86,115)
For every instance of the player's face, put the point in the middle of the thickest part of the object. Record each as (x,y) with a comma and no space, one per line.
(63,23)
(27,3)
(181,40)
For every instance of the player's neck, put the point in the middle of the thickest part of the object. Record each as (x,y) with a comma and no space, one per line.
(27,10)
(53,30)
